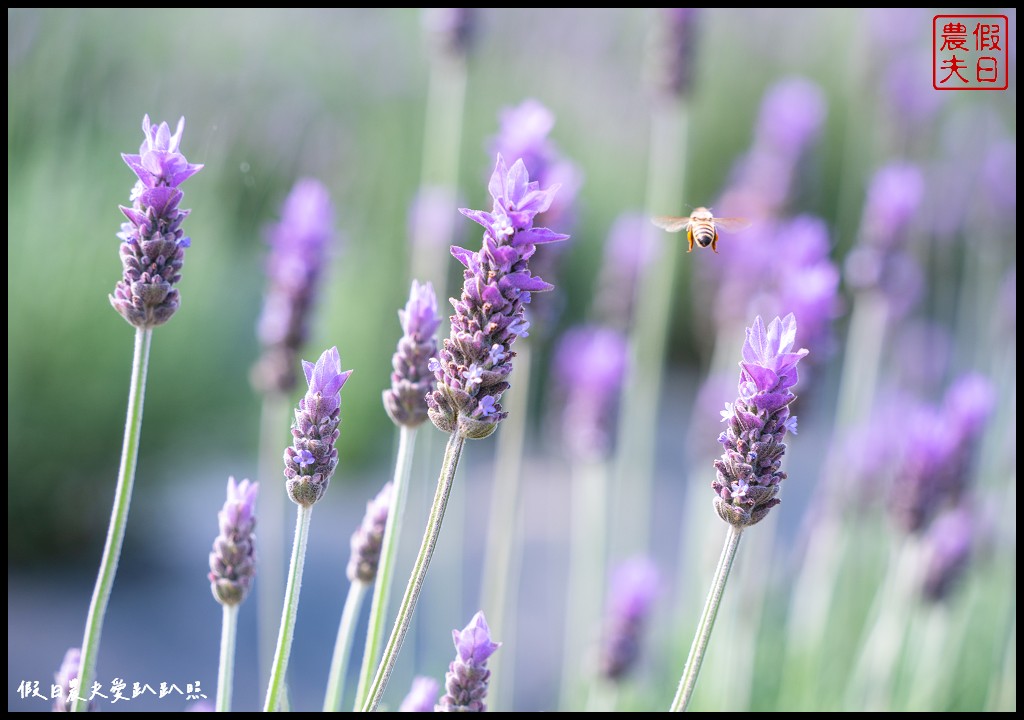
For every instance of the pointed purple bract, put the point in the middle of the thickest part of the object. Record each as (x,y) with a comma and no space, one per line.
(466,681)
(152,241)
(233,559)
(749,471)
(491,312)
(311,460)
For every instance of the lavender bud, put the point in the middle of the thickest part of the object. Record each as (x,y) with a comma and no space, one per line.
(411,379)
(466,681)
(233,560)
(422,696)
(152,241)
(476,360)
(68,673)
(298,253)
(950,541)
(311,460)
(368,538)
(633,590)
(749,471)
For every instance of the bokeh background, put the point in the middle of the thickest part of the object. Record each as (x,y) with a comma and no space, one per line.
(271,96)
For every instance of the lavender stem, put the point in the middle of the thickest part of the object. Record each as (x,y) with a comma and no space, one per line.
(343,646)
(118,516)
(707,621)
(291,606)
(412,592)
(386,568)
(226,669)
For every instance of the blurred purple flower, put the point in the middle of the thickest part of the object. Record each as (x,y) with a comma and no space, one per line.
(792,113)
(749,471)
(369,536)
(66,680)
(405,401)
(590,364)
(298,255)
(233,560)
(629,250)
(476,360)
(422,696)
(674,51)
(200,706)
(950,542)
(315,430)
(999,173)
(634,587)
(152,241)
(450,30)
(466,680)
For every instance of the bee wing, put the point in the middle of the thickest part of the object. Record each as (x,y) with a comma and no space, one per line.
(732,224)
(670,222)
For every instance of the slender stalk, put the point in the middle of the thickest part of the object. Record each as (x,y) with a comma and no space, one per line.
(226,670)
(291,606)
(501,566)
(388,556)
(707,622)
(270,533)
(343,645)
(419,572)
(118,517)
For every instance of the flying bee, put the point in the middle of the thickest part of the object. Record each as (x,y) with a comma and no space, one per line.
(701,226)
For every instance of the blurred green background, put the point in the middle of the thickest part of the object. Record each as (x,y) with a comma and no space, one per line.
(270,96)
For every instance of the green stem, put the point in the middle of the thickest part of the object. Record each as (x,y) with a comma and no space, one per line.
(291,606)
(707,621)
(388,555)
(271,531)
(343,645)
(226,671)
(452,454)
(118,516)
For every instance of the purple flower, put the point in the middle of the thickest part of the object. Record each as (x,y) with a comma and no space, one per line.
(750,469)
(950,542)
(498,285)
(233,560)
(152,241)
(66,680)
(422,696)
(675,50)
(315,430)
(590,364)
(466,680)
(939,446)
(405,401)
(634,588)
(450,29)
(629,250)
(369,536)
(298,253)
(792,113)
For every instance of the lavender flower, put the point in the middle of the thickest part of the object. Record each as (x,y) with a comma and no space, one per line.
(368,538)
(422,696)
(950,541)
(749,471)
(450,29)
(67,676)
(298,250)
(629,250)
(939,446)
(311,460)
(633,590)
(675,50)
(233,560)
(406,401)
(474,365)
(466,681)
(590,363)
(152,241)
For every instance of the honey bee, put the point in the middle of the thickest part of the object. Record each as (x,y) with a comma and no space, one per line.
(701,226)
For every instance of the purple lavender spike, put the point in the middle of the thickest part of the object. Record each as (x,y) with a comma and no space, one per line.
(311,460)
(476,360)
(298,253)
(152,241)
(950,542)
(634,588)
(233,560)
(422,696)
(672,66)
(750,469)
(67,675)
(367,539)
(411,379)
(466,681)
